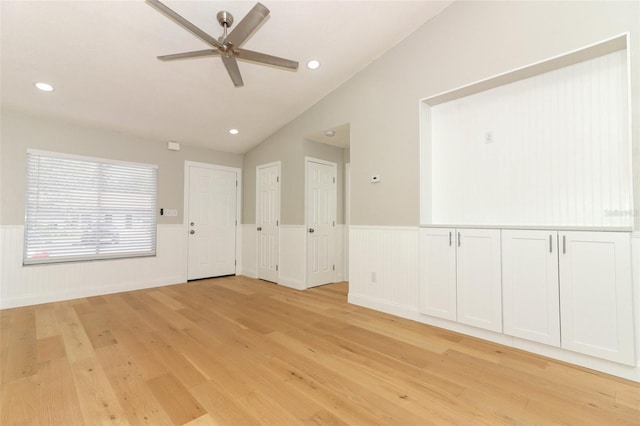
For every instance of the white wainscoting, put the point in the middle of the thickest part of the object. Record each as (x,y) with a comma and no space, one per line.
(30,285)
(293,253)
(635,264)
(393,255)
(339,251)
(248,259)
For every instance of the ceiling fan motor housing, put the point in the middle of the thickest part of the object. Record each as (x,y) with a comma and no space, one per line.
(225,19)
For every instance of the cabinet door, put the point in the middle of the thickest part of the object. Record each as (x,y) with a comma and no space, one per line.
(479,290)
(596,302)
(531,297)
(438,273)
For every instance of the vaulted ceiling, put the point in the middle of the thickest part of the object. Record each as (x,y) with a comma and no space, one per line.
(100,56)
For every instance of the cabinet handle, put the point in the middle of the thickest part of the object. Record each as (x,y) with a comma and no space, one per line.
(550,244)
(450,242)
(459,240)
(564,244)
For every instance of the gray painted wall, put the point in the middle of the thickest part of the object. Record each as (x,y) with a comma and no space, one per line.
(20,132)
(469,41)
(291,150)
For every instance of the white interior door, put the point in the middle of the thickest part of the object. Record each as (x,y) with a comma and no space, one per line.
(268,220)
(321,221)
(211,221)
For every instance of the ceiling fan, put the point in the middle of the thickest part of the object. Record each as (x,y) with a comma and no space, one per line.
(226,46)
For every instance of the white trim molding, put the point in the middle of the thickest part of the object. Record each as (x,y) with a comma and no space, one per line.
(635,266)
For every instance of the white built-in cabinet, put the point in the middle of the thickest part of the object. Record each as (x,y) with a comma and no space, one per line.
(531,295)
(571,289)
(596,296)
(438,273)
(460,270)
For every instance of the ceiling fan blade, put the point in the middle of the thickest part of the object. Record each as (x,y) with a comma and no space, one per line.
(186,55)
(184,23)
(262,58)
(232,68)
(249,23)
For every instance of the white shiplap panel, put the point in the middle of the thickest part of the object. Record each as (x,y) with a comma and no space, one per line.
(249,253)
(28,285)
(339,249)
(392,255)
(293,256)
(559,154)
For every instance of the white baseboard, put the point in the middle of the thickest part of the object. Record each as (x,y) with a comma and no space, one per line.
(404,311)
(251,273)
(291,282)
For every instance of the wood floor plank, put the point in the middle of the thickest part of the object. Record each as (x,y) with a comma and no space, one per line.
(76,342)
(21,354)
(176,400)
(135,397)
(239,351)
(50,348)
(57,398)
(21,396)
(46,323)
(97,400)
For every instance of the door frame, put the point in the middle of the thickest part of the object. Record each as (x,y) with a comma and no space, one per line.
(308,160)
(257,239)
(185,209)
(347,220)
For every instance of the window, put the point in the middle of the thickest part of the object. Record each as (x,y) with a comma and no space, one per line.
(81,208)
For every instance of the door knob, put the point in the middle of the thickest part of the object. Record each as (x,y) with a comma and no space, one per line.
(311,230)
(259,228)
(192,232)
(192,223)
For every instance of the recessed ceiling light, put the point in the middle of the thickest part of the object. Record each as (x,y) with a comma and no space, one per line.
(234,131)
(44,86)
(313,64)
(330,133)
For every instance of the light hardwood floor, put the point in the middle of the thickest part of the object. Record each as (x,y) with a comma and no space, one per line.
(237,351)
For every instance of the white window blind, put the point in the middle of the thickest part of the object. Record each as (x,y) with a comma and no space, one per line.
(81,208)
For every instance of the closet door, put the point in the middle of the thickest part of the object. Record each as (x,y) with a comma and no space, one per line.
(479,296)
(531,297)
(596,298)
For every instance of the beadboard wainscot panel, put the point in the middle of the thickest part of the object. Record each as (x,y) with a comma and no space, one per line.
(383,269)
(553,149)
(30,285)
(248,257)
(293,255)
(338,252)
(635,264)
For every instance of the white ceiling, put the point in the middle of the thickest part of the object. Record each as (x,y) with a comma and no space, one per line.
(101,58)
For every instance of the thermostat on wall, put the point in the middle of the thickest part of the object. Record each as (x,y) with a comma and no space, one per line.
(375,178)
